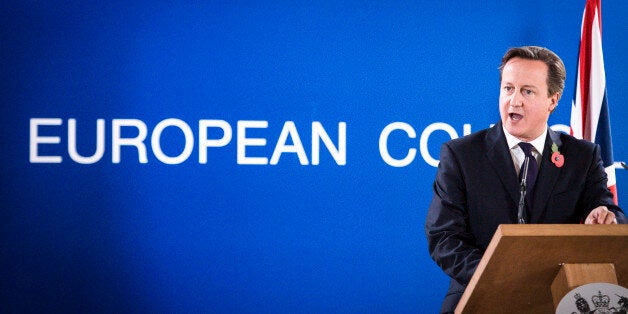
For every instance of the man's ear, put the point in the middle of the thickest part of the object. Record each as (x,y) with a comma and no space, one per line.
(554,102)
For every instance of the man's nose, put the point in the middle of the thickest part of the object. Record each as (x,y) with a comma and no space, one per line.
(516,100)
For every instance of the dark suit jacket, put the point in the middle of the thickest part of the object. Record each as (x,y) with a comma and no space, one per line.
(477,188)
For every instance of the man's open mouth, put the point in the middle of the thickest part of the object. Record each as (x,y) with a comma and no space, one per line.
(515,116)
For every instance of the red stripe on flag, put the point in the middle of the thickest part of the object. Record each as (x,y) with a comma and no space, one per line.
(613,189)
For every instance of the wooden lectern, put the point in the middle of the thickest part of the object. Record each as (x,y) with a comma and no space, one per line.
(524,265)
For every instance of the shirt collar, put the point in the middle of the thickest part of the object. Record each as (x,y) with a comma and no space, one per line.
(538,143)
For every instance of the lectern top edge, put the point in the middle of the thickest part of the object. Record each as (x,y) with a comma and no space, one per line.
(562,230)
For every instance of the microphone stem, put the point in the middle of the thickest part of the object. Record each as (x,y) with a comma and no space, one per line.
(521,214)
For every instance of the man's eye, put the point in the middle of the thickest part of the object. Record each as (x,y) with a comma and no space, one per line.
(508,88)
(528,92)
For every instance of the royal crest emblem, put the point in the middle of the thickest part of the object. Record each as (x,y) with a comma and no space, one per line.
(595,298)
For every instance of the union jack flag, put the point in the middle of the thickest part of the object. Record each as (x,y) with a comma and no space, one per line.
(590,119)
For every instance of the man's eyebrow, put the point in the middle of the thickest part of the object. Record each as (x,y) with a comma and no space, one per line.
(530,86)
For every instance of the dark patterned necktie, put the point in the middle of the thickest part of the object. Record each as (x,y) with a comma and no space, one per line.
(533,169)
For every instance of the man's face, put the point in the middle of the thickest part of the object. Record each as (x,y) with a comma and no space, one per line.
(524,105)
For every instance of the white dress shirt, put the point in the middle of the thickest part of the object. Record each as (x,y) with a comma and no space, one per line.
(517,154)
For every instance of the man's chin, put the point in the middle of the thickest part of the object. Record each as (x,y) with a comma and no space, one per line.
(515,130)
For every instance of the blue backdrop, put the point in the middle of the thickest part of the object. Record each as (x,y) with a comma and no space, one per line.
(304,202)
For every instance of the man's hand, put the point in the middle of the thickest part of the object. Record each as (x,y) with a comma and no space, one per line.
(601,216)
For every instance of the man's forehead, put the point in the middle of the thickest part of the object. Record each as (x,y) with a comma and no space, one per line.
(525,71)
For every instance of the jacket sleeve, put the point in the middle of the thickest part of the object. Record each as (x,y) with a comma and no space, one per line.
(596,192)
(451,244)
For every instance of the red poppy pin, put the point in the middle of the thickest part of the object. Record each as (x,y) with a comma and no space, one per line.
(557,158)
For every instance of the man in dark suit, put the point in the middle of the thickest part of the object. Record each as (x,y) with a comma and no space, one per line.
(477,186)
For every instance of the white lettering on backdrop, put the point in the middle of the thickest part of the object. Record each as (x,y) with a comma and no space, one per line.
(289,141)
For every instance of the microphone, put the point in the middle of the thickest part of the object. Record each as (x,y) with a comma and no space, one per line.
(521,211)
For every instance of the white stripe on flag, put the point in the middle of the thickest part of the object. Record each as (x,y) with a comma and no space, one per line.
(597,85)
(610,174)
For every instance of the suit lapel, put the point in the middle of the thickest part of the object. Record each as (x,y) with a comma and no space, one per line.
(546,179)
(499,156)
